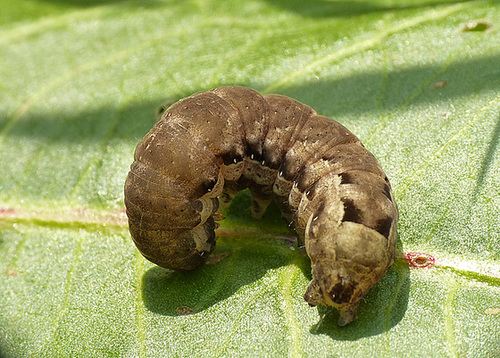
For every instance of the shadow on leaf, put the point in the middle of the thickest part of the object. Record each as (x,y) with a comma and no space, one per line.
(172,293)
(236,262)
(242,262)
(355,94)
(349,95)
(91,3)
(329,8)
(488,159)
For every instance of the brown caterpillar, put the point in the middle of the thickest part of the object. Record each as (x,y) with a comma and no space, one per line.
(211,145)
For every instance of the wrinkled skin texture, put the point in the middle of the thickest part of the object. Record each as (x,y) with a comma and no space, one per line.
(211,145)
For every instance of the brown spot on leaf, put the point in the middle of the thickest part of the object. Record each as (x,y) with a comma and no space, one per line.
(11,272)
(439,84)
(492,311)
(184,310)
(476,26)
(7,211)
(419,259)
(214,259)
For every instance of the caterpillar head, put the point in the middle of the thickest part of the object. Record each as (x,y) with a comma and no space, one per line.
(340,284)
(347,261)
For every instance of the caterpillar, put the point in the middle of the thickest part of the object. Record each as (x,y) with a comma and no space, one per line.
(213,144)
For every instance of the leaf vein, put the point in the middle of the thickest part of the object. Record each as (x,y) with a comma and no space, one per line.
(359,46)
(287,276)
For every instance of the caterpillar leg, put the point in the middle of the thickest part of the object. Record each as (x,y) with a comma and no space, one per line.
(226,197)
(259,205)
(218,216)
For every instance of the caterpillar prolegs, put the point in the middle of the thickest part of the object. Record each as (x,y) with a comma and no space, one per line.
(211,145)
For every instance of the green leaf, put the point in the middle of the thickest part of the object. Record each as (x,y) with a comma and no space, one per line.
(416,80)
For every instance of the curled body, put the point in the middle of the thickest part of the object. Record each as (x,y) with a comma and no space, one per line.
(211,145)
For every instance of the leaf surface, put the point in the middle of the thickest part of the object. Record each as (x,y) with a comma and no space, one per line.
(80,82)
